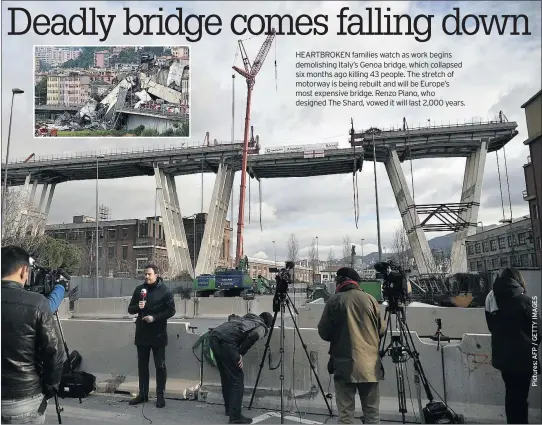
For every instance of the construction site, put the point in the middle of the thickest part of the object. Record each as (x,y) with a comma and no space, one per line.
(148,98)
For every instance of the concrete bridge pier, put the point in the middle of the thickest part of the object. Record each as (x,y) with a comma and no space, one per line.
(213,234)
(177,246)
(36,217)
(470,195)
(411,222)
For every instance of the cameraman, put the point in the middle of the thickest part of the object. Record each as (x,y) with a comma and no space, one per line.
(352,324)
(32,353)
(56,296)
(230,342)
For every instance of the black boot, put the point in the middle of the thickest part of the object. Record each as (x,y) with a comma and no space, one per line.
(138,400)
(160,400)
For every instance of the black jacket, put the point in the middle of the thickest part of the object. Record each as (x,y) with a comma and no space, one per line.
(240,332)
(510,319)
(32,355)
(161,305)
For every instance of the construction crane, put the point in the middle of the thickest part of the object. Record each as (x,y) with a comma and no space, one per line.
(249,73)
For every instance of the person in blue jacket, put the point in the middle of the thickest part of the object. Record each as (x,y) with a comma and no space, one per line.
(56,296)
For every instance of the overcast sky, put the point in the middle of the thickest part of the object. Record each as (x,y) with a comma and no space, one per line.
(499,74)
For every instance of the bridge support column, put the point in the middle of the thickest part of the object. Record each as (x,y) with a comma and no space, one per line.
(411,222)
(470,194)
(36,216)
(44,207)
(213,235)
(177,246)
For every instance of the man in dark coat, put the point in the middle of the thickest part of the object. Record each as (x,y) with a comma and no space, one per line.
(230,342)
(352,324)
(515,328)
(151,332)
(32,355)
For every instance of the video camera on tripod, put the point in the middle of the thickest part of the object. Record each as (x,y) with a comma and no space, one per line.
(395,288)
(43,279)
(284,277)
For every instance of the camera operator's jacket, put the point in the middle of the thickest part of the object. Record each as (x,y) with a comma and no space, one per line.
(241,332)
(352,324)
(160,305)
(32,355)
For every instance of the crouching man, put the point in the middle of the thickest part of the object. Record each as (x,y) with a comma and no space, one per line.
(351,323)
(230,342)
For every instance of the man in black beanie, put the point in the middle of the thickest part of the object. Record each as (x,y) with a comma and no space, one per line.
(352,324)
(230,342)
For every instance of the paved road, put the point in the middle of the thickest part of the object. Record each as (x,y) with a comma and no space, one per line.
(114,409)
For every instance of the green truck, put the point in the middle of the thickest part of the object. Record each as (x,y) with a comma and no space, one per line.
(226,282)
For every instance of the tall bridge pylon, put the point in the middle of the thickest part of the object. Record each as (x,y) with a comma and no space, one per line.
(472,141)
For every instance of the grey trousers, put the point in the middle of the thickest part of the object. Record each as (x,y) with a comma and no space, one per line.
(369,395)
(24,410)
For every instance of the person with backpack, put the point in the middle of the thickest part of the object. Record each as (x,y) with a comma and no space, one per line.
(515,330)
(230,342)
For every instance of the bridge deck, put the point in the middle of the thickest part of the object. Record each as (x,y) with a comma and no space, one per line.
(440,142)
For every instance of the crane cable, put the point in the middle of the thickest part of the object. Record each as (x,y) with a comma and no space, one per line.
(276,81)
(355,188)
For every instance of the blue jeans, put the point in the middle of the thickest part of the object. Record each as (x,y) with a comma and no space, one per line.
(24,410)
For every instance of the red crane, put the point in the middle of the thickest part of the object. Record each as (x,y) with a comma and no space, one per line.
(249,73)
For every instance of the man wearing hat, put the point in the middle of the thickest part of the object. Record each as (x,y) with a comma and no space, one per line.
(352,324)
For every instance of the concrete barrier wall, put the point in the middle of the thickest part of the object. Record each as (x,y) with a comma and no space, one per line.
(117,307)
(460,373)
(455,321)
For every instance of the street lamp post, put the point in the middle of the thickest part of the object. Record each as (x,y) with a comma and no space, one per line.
(275,251)
(317,261)
(14,92)
(362,265)
(97,224)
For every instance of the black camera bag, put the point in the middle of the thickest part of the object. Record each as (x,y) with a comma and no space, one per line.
(77,384)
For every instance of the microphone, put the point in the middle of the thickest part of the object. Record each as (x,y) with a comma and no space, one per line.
(143,295)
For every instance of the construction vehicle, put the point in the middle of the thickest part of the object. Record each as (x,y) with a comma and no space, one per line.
(225,282)
(262,285)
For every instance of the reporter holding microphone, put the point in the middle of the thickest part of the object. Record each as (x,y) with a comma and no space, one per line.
(153,303)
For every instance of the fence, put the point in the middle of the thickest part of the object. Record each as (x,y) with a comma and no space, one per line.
(116,287)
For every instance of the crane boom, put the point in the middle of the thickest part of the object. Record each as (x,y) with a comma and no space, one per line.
(249,73)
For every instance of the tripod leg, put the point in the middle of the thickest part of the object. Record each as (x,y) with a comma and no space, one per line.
(62,336)
(263,359)
(310,361)
(58,409)
(400,374)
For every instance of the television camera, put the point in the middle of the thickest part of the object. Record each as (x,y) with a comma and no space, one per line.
(43,279)
(283,277)
(395,288)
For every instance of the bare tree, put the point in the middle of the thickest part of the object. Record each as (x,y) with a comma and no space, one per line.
(293,248)
(330,258)
(401,247)
(20,225)
(312,257)
(347,250)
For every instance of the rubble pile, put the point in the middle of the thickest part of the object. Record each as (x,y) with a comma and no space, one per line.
(154,89)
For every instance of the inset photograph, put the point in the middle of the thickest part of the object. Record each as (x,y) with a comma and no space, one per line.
(112,91)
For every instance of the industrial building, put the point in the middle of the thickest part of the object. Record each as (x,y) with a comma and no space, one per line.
(131,244)
(260,267)
(533,169)
(507,245)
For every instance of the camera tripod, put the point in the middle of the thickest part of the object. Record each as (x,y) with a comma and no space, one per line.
(282,300)
(435,411)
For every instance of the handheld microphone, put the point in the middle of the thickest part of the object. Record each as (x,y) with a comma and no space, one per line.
(143,295)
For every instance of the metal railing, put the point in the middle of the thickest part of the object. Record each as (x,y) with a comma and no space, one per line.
(120,151)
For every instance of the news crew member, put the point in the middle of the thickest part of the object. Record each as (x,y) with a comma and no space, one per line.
(55,297)
(351,323)
(32,354)
(153,303)
(230,342)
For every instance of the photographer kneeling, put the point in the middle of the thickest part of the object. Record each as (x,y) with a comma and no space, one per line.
(352,324)
(230,342)
(32,355)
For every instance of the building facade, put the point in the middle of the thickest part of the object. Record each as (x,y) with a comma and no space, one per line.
(101,59)
(126,246)
(70,89)
(55,56)
(502,246)
(533,169)
(260,267)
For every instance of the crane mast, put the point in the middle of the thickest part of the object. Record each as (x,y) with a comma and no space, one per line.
(249,73)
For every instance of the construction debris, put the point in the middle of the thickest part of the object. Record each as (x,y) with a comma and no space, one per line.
(155,89)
